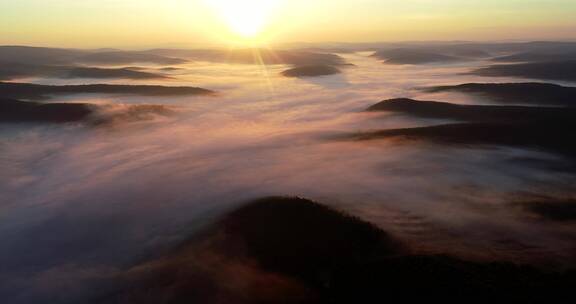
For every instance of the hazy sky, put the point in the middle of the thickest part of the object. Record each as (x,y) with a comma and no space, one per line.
(135,23)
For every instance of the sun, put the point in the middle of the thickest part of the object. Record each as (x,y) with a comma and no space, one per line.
(246,18)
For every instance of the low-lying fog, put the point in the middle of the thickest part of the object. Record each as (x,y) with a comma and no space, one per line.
(79,203)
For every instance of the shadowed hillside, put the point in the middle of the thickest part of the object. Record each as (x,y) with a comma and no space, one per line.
(548,136)
(21,111)
(305,252)
(555,70)
(517,93)
(414,56)
(54,56)
(444,110)
(538,56)
(124,73)
(17,70)
(39,92)
(311,71)
(37,55)
(16,111)
(538,128)
(126,57)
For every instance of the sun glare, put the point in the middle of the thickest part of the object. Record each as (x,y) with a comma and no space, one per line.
(246,18)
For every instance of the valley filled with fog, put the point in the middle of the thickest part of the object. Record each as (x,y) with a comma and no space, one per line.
(139,170)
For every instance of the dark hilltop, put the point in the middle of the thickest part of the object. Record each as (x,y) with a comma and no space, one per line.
(311,71)
(305,252)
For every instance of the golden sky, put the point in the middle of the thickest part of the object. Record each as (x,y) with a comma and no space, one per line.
(148,23)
